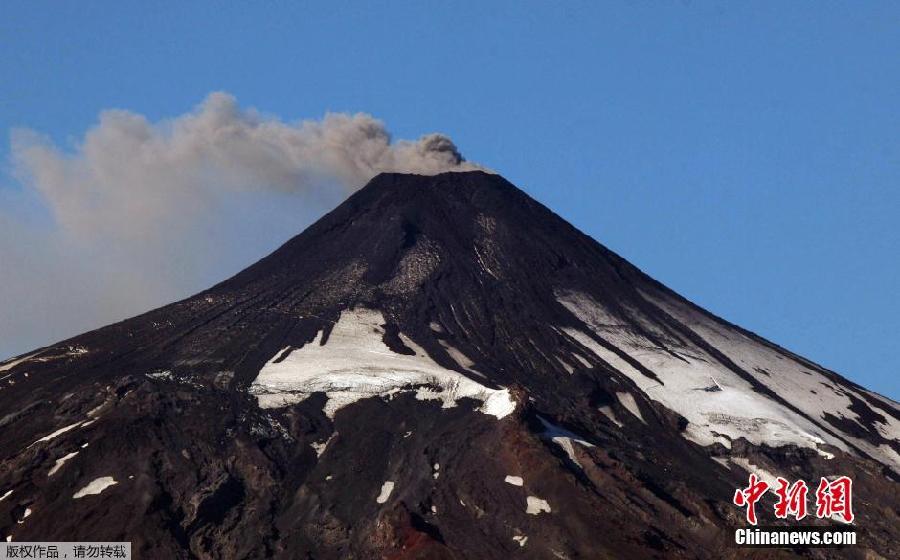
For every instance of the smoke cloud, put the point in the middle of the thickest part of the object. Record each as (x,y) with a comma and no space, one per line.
(140,213)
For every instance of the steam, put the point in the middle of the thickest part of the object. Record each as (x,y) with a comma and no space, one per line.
(142,213)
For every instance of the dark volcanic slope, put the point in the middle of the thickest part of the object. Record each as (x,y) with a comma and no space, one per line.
(439,368)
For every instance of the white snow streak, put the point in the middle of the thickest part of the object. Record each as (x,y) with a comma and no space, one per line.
(13,363)
(58,432)
(514,480)
(563,438)
(60,462)
(608,412)
(627,400)
(95,487)
(356,364)
(386,490)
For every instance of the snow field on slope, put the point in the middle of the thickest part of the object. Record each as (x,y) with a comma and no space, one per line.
(356,364)
(731,409)
(798,383)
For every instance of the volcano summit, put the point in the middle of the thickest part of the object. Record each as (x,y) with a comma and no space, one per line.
(439,368)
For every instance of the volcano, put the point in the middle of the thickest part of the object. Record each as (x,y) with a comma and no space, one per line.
(440,368)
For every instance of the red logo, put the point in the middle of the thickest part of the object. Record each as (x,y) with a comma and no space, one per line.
(791,499)
(833,498)
(749,496)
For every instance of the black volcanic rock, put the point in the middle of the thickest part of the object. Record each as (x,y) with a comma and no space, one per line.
(440,334)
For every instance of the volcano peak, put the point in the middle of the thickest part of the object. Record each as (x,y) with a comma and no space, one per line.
(440,367)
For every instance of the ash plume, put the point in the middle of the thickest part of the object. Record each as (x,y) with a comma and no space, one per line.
(139,213)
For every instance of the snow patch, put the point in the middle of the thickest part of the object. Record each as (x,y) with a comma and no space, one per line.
(499,404)
(96,409)
(4,496)
(461,359)
(13,363)
(535,505)
(569,369)
(627,400)
(825,454)
(514,480)
(95,487)
(58,432)
(763,474)
(320,447)
(356,364)
(563,438)
(608,412)
(60,462)
(24,515)
(521,539)
(386,490)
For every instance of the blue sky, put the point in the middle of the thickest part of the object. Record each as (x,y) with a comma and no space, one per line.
(745,154)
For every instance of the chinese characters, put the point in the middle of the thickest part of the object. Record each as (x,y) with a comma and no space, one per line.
(834,498)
